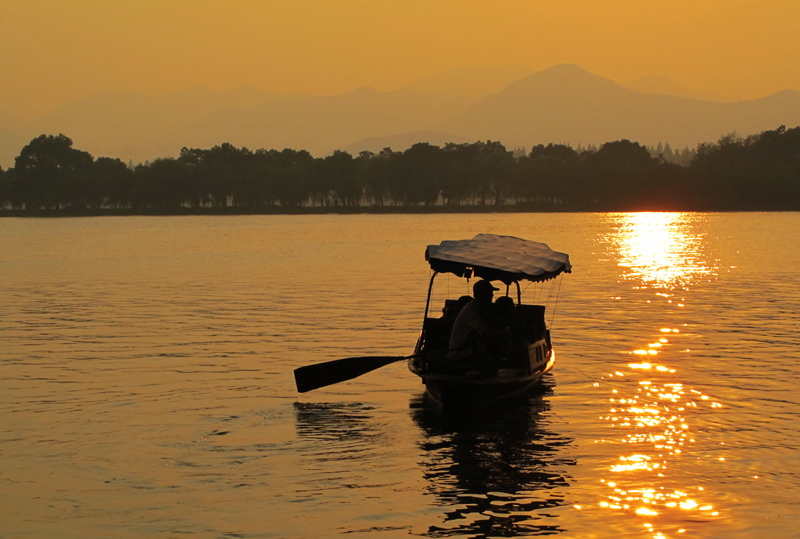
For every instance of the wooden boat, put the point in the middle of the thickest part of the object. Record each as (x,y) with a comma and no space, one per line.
(528,355)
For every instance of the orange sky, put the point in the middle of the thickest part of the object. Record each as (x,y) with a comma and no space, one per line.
(55,51)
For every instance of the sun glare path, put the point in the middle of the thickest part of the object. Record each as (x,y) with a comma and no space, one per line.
(653,413)
(659,249)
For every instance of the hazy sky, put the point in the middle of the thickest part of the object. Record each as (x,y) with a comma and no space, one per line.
(55,51)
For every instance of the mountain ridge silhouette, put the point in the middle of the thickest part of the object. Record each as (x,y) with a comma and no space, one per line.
(560,104)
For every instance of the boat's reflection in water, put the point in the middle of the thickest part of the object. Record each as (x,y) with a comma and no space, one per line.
(495,473)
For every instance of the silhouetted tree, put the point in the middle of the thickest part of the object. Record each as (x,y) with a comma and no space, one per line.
(295,179)
(258,184)
(619,173)
(776,157)
(108,184)
(216,173)
(339,171)
(494,165)
(420,170)
(167,185)
(48,172)
(377,173)
(548,173)
(760,172)
(460,177)
(717,171)
(6,189)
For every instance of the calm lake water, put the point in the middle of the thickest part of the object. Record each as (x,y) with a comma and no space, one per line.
(146,384)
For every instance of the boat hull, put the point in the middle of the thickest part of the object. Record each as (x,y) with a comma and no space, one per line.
(465,390)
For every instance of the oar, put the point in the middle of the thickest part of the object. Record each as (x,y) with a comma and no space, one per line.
(332,372)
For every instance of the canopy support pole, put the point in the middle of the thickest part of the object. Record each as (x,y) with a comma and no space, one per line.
(430,289)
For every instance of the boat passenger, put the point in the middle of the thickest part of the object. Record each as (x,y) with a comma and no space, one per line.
(504,310)
(473,327)
(452,307)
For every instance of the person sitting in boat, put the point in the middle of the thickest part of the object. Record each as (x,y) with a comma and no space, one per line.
(452,307)
(472,330)
(504,310)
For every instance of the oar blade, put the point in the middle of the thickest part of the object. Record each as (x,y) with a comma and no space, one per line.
(332,372)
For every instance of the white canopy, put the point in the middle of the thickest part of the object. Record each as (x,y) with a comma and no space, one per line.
(498,258)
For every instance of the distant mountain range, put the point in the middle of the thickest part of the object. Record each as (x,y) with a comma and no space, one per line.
(658,84)
(512,104)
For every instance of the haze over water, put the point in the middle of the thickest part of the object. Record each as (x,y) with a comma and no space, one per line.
(146,380)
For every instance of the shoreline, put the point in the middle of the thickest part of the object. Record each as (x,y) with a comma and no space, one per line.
(348,210)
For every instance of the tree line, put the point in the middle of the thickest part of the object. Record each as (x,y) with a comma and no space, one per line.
(759,172)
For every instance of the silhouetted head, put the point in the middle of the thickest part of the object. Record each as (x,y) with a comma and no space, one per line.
(483,290)
(462,301)
(505,307)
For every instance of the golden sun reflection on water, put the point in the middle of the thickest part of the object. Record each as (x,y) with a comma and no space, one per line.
(653,414)
(659,248)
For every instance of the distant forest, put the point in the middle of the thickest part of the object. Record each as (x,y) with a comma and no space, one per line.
(759,172)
